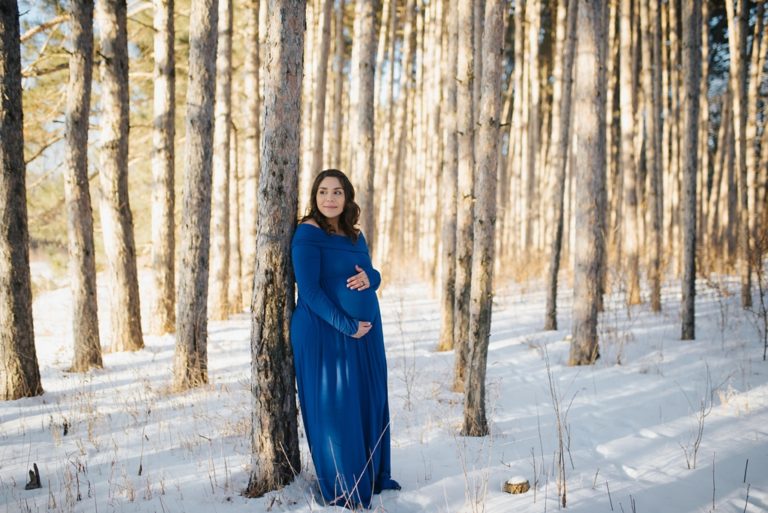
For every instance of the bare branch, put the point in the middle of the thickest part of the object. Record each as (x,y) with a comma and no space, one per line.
(44,26)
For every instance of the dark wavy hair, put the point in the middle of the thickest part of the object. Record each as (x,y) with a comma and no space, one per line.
(349,216)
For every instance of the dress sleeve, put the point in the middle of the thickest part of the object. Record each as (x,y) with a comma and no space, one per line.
(306,266)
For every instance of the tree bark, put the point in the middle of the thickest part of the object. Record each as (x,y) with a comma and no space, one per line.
(163,318)
(321,75)
(691,78)
(116,217)
(559,164)
(475,422)
(628,160)
(589,103)
(218,293)
(252,135)
(19,374)
(448,183)
(465,192)
(737,45)
(361,90)
(235,256)
(191,356)
(82,264)
(275,441)
(338,88)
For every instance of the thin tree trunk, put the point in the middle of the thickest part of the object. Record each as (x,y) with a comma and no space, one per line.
(465,192)
(448,182)
(737,44)
(628,160)
(338,88)
(691,17)
(252,135)
(321,75)
(19,371)
(533,13)
(191,357)
(116,217)
(274,440)
(235,256)
(82,265)
(218,295)
(361,90)
(163,318)
(650,23)
(559,163)
(589,103)
(475,422)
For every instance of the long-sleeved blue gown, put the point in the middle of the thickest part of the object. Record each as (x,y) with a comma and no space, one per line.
(342,381)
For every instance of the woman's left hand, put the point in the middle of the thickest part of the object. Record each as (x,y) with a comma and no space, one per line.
(359,281)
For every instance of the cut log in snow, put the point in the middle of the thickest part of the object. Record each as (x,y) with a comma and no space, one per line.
(517,485)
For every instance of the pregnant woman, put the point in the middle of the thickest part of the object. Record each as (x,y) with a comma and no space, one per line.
(338,348)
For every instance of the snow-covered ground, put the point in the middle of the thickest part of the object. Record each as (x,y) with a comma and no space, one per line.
(118,440)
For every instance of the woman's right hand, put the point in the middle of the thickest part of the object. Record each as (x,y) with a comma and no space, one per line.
(363,327)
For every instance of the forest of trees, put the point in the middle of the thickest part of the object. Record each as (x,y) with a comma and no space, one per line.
(616,145)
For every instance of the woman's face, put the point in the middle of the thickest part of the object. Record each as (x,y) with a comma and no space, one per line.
(330,197)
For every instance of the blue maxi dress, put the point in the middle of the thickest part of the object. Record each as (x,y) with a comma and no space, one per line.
(341,381)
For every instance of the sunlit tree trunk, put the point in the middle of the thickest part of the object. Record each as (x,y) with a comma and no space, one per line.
(337,112)
(251,150)
(691,78)
(533,14)
(319,91)
(274,436)
(19,371)
(116,217)
(559,163)
(448,181)
(82,266)
(465,188)
(589,106)
(191,357)
(235,256)
(475,422)
(218,294)
(163,318)
(651,24)
(361,90)
(628,161)
(737,45)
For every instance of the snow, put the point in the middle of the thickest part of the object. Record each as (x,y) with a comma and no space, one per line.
(131,445)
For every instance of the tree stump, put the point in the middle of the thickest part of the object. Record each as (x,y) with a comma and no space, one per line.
(517,485)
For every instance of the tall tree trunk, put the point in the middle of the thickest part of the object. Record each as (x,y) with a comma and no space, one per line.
(163,318)
(338,89)
(82,265)
(191,357)
(651,23)
(361,91)
(628,161)
(218,294)
(589,103)
(116,217)
(737,45)
(559,164)
(691,77)
(448,182)
(465,192)
(274,440)
(475,422)
(235,256)
(321,75)
(533,13)
(19,374)
(252,135)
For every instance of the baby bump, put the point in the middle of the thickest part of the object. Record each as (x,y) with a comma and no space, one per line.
(362,305)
